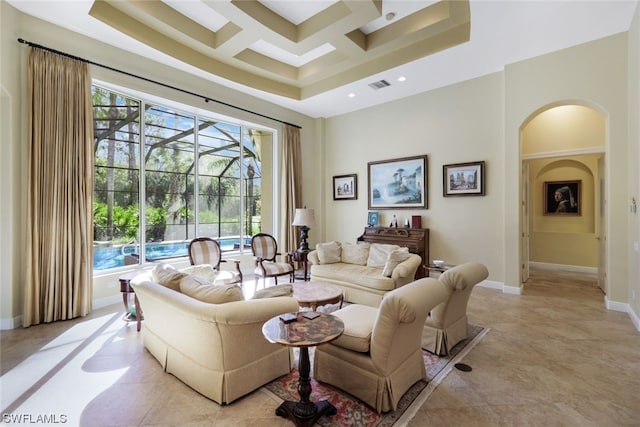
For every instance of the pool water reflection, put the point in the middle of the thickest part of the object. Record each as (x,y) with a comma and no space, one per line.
(113,256)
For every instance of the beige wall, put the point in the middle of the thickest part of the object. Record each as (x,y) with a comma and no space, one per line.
(633,159)
(595,75)
(566,240)
(459,123)
(11,268)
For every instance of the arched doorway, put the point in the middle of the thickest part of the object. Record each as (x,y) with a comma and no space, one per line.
(563,147)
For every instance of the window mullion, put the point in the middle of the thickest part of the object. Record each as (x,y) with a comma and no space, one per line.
(196,176)
(142,180)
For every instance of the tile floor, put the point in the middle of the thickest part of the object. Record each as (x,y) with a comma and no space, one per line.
(554,356)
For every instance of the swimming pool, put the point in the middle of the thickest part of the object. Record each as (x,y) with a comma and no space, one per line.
(113,256)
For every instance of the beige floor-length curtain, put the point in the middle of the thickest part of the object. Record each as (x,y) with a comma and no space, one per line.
(58,283)
(292,184)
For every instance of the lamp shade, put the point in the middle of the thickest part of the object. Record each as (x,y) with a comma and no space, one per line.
(304,217)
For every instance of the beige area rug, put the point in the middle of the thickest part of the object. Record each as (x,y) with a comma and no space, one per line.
(352,412)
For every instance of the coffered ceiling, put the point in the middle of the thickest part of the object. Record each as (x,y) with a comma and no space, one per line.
(295,49)
(329,57)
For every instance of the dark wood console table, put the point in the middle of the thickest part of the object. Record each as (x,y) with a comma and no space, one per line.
(416,239)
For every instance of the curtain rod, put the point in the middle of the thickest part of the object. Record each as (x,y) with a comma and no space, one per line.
(204,97)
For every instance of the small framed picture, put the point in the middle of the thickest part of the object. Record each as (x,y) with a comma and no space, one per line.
(463,179)
(372,219)
(345,187)
(562,198)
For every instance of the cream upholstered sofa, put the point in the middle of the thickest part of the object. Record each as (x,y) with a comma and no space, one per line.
(217,349)
(447,324)
(366,271)
(378,356)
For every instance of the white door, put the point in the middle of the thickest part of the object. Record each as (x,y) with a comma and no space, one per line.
(602,229)
(525,221)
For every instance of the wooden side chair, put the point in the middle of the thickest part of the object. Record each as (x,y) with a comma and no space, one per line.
(265,251)
(205,250)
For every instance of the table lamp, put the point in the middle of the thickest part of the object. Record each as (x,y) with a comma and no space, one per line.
(304,218)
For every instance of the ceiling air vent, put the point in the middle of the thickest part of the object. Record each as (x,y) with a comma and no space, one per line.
(379,84)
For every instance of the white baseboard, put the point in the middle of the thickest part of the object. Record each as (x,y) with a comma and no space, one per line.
(634,318)
(16,322)
(492,284)
(11,323)
(624,308)
(564,267)
(103,302)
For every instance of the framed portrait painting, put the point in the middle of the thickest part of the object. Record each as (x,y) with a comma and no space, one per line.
(398,183)
(562,197)
(463,179)
(345,187)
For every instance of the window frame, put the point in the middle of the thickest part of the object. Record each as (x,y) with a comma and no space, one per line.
(198,114)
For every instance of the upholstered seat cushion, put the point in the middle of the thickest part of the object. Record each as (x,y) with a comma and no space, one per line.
(273,268)
(198,288)
(274,291)
(358,320)
(358,274)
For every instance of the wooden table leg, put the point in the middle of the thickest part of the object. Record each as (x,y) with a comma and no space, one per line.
(138,312)
(305,412)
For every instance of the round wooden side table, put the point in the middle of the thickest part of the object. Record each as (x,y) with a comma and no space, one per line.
(314,294)
(304,333)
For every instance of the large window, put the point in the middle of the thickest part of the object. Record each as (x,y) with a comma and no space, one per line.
(197,176)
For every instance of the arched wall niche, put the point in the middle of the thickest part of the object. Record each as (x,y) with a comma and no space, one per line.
(564,141)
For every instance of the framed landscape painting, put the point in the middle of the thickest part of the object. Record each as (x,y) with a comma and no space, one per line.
(398,183)
(345,187)
(463,179)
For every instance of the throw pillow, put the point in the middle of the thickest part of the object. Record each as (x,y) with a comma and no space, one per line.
(329,253)
(167,275)
(205,271)
(274,291)
(395,258)
(356,254)
(202,290)
(378,254)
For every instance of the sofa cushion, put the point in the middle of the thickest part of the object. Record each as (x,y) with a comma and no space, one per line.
(358,320)
(198,288)
(378,254)
(329,252)
(360,275)
(205,271)
(394,259)
(274,291)
(355,253)
(167,275)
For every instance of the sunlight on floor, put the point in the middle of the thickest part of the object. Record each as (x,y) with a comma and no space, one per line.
(59,375)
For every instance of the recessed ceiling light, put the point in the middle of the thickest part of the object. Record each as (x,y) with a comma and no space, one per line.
(402,78)
(352,95)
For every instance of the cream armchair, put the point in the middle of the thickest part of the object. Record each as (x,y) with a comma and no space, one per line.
(447,323)
(378,357)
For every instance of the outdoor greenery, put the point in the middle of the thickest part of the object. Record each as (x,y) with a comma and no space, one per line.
(227,161)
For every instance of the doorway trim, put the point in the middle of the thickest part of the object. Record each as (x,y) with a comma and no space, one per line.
(603,222)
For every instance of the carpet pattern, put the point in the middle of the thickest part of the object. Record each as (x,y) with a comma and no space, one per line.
(352,412)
